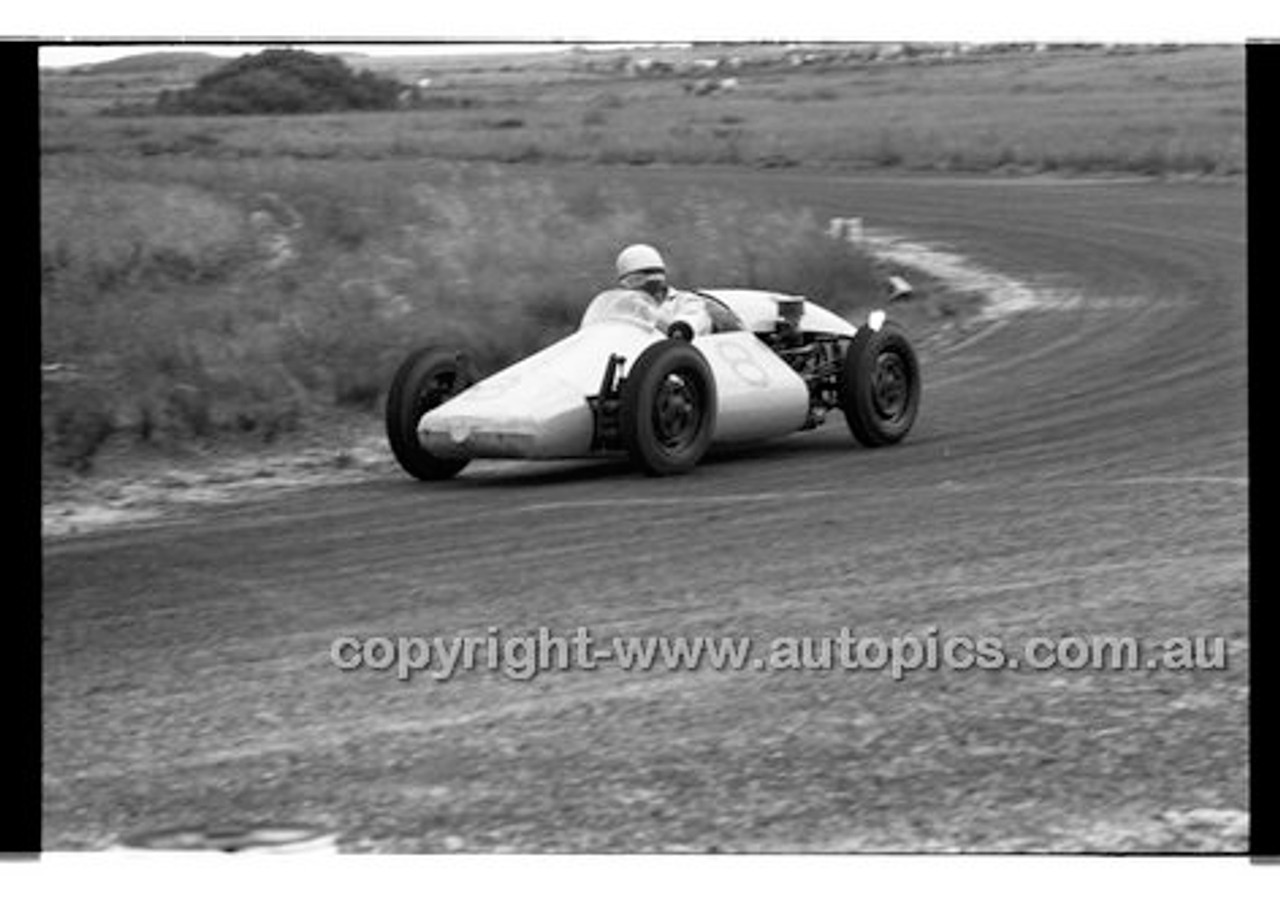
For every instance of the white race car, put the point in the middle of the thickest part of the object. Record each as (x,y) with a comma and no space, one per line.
(621,385)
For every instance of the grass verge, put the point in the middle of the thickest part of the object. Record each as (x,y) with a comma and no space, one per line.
(191,301)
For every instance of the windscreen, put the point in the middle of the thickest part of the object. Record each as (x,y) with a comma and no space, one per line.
(621,305)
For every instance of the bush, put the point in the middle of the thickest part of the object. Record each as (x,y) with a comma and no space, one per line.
(76,420)
(283,81)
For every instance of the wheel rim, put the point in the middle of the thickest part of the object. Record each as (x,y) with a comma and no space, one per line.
(677,412)
(890,386)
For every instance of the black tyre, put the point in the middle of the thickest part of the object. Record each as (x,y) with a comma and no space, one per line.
(668,408)
(880,386)
(426,379)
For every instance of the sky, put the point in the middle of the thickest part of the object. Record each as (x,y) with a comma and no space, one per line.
(569,21)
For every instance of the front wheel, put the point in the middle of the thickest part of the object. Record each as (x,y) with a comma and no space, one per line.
(668,408)
(880,386)
(427,378)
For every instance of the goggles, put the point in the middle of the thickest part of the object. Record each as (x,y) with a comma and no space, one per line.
(638,279)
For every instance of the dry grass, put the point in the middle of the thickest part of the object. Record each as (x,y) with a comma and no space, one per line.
(193,299)
(1087,111)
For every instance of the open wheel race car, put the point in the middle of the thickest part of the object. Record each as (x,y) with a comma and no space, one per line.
(621,385)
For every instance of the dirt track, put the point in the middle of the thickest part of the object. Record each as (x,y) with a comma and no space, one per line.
(1077,470)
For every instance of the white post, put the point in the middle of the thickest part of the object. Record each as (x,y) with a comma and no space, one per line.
(846,228)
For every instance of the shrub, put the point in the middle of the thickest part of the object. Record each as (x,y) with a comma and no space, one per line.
(76,420)
(283,81)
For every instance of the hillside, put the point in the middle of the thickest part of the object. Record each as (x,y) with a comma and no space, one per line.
(161,61)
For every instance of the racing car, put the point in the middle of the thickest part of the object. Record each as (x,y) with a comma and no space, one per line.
(626,384)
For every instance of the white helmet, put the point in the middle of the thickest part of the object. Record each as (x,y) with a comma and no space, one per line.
(635,258)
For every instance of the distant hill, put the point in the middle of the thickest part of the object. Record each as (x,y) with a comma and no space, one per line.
(151,63)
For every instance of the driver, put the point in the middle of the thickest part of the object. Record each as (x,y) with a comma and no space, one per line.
(640,267)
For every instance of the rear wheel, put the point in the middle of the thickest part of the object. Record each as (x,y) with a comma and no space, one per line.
(427,378)
(880,386)
(668,408)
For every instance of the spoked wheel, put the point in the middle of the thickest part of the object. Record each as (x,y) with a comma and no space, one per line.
(880,386)
(427,379)
(668,408)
